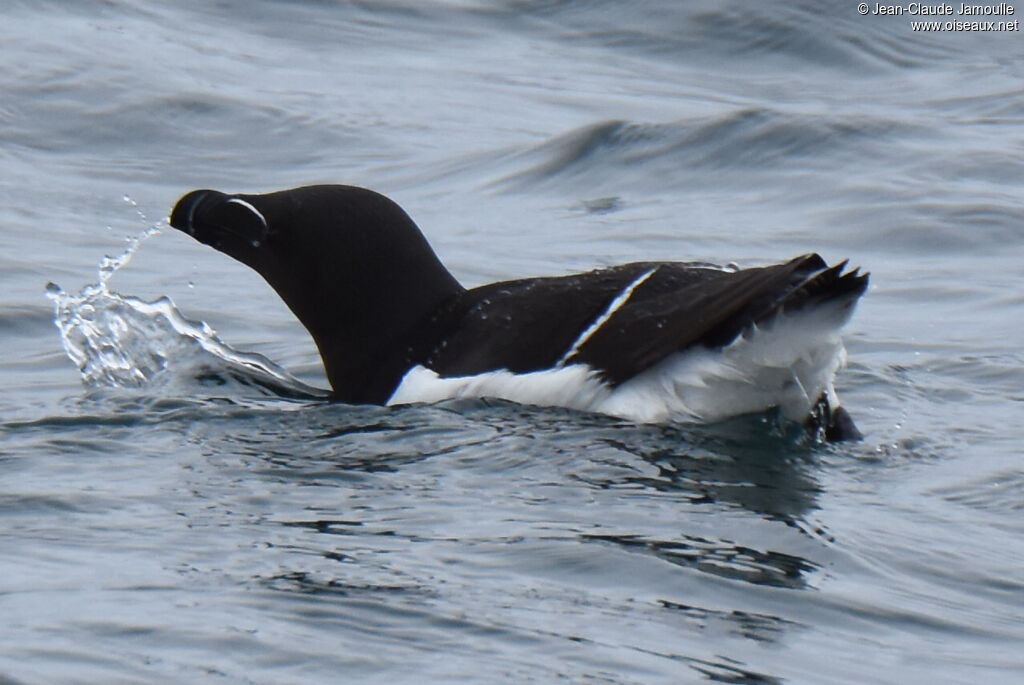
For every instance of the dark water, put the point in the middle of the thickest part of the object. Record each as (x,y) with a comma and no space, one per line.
(175,520)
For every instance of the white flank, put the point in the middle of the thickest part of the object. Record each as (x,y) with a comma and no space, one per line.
(788,362)
(239,201)
(575,386)
(608,313)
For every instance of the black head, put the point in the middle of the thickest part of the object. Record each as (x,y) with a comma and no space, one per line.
(349,262)
(227,223)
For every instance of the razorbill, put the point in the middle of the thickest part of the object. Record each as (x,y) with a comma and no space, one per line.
(647,341)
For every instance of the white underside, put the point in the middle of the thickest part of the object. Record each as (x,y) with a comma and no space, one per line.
(786,364)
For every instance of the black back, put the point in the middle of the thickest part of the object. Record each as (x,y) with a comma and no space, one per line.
(533,324)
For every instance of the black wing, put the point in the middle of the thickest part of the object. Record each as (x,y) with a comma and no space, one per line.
(523,325)
(669,312)
(534,324)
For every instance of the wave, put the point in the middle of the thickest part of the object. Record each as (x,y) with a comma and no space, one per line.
(668,155)
(719,35)
(171,131)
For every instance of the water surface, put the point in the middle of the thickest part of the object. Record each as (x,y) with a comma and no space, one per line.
(181,521)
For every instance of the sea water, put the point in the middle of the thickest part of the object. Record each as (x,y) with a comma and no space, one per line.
(178,502)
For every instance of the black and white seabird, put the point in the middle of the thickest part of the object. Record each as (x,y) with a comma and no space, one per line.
(647,341)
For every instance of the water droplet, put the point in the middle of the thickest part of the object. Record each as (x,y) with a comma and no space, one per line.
(191,284)
(54,290)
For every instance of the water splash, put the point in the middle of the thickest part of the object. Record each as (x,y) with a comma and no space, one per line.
(125,342)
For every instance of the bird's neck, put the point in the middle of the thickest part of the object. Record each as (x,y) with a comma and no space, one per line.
(365,327)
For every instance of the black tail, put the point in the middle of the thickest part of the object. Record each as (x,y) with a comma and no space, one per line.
(828,284)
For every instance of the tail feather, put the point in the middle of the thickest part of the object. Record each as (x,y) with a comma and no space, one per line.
(827,285)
